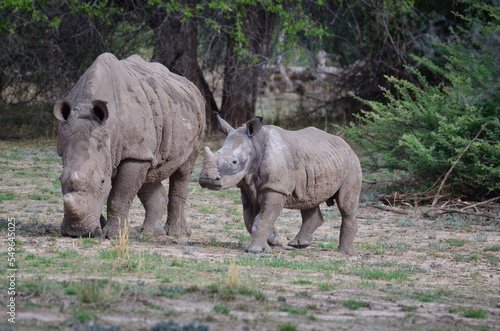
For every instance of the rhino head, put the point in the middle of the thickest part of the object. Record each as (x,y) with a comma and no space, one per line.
(84,145)
(234,160)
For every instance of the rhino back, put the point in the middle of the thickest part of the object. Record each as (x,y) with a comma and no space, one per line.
(313,165)
(154,115)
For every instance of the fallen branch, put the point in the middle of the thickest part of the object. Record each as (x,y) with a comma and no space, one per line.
(482,203)
(460,211)
(436,198)
(394,209)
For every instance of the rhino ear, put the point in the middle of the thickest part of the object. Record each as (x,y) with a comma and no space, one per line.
(254,126)
(100,110)
(223,126)
(62,110)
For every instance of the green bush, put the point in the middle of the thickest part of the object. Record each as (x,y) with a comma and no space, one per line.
(422,129)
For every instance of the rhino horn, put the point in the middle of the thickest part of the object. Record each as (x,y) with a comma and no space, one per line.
(223,126)
(69,204)
(209,176)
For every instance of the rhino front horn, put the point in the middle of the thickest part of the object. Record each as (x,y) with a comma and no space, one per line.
(69,204)
(209,176)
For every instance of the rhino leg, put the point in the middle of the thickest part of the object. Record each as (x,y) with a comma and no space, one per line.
(311,220)
(250,211)
(129,179)
(177,195)
(271,204)
(154,198)
(347,200)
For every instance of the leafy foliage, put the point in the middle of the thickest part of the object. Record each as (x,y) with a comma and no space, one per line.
(423,128)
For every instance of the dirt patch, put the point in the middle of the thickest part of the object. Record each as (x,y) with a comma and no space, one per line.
(410,272)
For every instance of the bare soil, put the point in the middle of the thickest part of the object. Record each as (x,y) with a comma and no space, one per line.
(410,272)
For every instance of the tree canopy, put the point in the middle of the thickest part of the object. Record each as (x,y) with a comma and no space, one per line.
(426,69)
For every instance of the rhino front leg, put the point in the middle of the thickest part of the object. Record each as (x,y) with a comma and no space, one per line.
(154,198)
(271,204)
(311,220)
(177,196)
(250,211)
(129,178)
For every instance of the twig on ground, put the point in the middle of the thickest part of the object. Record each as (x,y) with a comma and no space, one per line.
(459,211)
(393,209)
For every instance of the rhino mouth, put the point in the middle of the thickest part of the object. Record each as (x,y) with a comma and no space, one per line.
(69,231)
(213,184)
(74,229)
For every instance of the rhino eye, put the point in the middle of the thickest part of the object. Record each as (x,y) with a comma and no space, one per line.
(234,161)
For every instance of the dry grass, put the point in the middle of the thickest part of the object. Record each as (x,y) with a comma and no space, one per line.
(232,275)
(122,243)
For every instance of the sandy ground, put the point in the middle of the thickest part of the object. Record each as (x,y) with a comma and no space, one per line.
(450,266)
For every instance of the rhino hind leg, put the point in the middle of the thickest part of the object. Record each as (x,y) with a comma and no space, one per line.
(347,200)
(311,220)
(154,198)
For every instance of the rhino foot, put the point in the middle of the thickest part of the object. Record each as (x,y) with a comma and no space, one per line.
(149,230)
(273,238)
(257,248)
(111,232)
(301,242)
(177,230)
(347,251)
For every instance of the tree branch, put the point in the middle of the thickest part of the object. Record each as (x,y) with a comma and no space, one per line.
(436,198)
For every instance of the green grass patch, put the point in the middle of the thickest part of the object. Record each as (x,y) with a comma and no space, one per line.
(494,248)
(39,197)
(302,282)
(221,309)
(432,297)
(288,326)
(329,246)
(355,304)
(209,210)
(6,195)
(293,310)
(474,313)
(455,242)
(68,253)
(375,273)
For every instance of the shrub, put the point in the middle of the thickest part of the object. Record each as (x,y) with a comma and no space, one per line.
(423,128)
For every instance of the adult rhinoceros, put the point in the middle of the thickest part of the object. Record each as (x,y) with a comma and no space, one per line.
(276,169)
(124,127)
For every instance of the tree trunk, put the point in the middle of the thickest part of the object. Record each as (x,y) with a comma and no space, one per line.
(176,48)
(243,69)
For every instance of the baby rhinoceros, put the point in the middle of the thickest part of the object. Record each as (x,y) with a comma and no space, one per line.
(275,169)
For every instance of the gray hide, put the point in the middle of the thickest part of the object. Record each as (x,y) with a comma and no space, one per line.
(275,169)
(124,127)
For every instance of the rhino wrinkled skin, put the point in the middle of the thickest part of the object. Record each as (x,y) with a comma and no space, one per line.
(124,127)
(275,169)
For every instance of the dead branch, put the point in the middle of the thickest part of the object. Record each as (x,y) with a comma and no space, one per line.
(436,198)
(482,203)
(394,209)
(460,211)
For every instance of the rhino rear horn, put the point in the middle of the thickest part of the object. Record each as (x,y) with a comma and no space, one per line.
(223,126)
